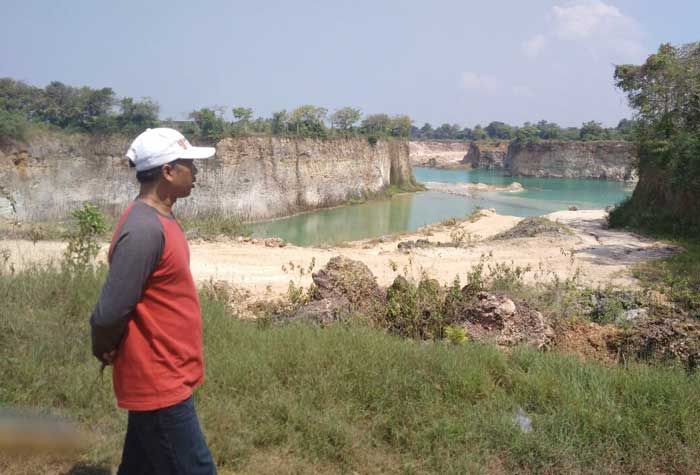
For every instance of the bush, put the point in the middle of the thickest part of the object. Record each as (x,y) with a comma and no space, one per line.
(13,125)
(83,244)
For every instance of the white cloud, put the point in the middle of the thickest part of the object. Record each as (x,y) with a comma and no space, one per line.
(583,20)
(600,29)
(478,82)
(534,45)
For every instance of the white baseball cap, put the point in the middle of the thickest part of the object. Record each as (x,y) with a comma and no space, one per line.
(156,147)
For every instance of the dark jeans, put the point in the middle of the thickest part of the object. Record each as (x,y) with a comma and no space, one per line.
(166,441)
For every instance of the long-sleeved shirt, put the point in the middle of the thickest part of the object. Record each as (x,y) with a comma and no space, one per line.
(149,312)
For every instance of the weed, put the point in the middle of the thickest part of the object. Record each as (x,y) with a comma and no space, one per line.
(83,244)
(456,335)
(345,399)
(677,276)
(212,225)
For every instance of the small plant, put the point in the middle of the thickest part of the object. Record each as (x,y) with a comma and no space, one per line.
(505,277)
(456,335)
(475,215)
(476,279)
(82,243)
(5,255)
(457,236)
(36,234)
(297,295)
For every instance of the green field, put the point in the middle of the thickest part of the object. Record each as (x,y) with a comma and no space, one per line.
(299,399)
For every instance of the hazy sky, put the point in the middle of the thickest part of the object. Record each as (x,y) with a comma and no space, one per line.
(463,62)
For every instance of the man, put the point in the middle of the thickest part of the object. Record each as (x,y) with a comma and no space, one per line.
(147,322)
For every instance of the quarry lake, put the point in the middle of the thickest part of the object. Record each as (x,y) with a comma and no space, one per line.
(408,212)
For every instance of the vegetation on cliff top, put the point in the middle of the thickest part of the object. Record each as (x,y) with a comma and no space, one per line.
(665,92)
(101,111)
(528,132)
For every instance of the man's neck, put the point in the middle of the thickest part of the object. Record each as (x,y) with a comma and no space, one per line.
(163,202)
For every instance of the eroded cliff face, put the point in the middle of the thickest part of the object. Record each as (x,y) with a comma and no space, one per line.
(605,160)
(252,177)
(435,153)
(487,155)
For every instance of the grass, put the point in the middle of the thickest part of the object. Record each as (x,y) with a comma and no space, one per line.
(213,225)
(678,276)
(207,226)
(299,399)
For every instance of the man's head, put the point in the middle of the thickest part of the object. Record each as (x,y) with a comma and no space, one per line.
(164,156)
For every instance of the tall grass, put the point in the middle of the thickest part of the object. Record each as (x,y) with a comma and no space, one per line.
(300,399)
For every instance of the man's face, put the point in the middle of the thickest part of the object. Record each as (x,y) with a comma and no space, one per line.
(181,175)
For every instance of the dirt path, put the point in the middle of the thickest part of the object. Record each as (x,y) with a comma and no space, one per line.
(604,256)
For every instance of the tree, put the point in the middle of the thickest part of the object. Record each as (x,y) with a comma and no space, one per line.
(376,124)
(446,132)
(280,122)
(570,133)
(499,130)
(665,92)
(478,133)
(308,121)
(528,133)
(625,128)
(242,116)
(426,131)
(136,116)
(400,126)
(548,130)
(345,118)
(210,124)
(21,98)
(593,131)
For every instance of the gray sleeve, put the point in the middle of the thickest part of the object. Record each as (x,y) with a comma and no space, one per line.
(135,256)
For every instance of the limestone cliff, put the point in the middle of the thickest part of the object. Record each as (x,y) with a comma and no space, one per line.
(439,154)
(487,155)
(252,178)
(606,160)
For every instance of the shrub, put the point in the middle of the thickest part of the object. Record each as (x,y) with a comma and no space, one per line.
(83,244)
(13,125)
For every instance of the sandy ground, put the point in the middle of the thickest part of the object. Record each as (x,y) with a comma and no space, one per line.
(603,256)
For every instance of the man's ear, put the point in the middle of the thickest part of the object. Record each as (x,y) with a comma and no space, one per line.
(167,172)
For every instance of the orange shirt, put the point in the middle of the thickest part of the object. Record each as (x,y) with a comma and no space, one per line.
(159,357)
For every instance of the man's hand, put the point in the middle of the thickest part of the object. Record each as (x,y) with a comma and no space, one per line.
(108,358)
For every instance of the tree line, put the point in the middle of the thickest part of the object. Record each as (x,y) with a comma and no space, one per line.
(101,111)
(310,121)
(528,132)
(72,108)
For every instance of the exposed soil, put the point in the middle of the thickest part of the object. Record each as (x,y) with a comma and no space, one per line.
(603,255)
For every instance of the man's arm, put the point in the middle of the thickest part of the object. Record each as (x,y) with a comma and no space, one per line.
(135,255)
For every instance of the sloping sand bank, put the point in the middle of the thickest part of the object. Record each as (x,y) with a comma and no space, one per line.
(603,256)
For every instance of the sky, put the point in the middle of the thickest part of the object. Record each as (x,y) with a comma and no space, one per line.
(462,62)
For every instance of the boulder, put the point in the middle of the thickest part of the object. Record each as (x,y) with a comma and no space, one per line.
(324,312)
(497,319)
(666,338)
(343,277)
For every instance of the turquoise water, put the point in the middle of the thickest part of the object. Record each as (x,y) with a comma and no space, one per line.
(410,211)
